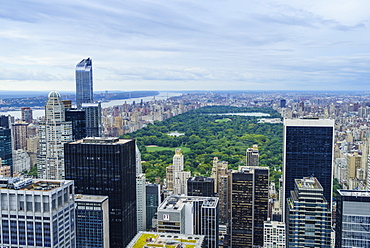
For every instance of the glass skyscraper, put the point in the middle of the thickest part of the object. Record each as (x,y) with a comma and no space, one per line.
(107,166)
(84,82)
(308,152)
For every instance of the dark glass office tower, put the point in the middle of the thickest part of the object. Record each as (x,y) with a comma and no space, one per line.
(78,119)
(308,152)
(107,166)
(84,82)
(249,206)
(201,186)
(6,147)
(93,119)
(153,199)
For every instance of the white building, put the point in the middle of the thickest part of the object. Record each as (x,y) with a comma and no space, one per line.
(54,132)
(141,202)
(21,161)
(176,177)
(274,234)
(37,213)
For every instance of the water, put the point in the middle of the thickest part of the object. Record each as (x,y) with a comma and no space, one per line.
(41,112)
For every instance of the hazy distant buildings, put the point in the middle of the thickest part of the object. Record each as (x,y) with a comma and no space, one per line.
(308,217)
(308,152)
(84,82)
(107,166)
(26,113)
(37,213)
(353,219)
(249,206)
(54,132)
(92,221)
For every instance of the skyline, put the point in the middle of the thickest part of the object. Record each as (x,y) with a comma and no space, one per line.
(158,45)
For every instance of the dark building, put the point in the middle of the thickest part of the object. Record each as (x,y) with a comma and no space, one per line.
(5,121)
(201,186)
(92,221)
(84,82)
(93,119)
(352,227)
(78,119)
(27,114)
(282,103)
(249,206)
(6,148)
(308,152)
(107,166)
(153,200)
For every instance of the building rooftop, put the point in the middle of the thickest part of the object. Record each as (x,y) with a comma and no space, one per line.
(90,198)
(177,202)
(101,140)
(30,184)
(168,240)
(201,179)
(355,193)
(308,183)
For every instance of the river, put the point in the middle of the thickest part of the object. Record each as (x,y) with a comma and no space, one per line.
(41,112)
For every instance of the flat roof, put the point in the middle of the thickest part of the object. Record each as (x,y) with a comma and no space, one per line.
(309,122)
(177,202)
(354,193)
(156,239)
(90,198)
(101,140)
(14,183)
(308,183)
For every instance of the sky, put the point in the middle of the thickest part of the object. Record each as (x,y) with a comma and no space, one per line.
(186,45)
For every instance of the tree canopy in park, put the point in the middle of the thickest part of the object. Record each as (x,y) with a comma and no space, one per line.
(207,135)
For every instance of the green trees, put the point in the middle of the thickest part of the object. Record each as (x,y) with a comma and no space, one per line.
(207,138)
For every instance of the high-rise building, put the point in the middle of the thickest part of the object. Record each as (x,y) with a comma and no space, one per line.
(106,166)
(26,113)
(190,215)
(249,206)
(6,147)
(92,221)
(308,217)
(176,177)
(221,177)
(252,156)
(153,199)
(20,134)
(201,186)
(54,132)
(37,213)
(78,119)
(308,152)
(84,82)
(93,119)
(274,234)
(353,219)
(141,202)
(356,171)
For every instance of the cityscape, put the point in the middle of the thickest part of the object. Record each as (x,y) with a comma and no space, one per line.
(184,124)
(195,169)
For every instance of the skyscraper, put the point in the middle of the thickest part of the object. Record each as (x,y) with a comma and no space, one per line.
(252,156)
(54,132)
(37,213)
(353,219)
(308,218)
(78,119)
(6,147)
(93,119)
(92,221)
(26,113)
(107,166)
(153,199)
(84,82)
(201,186)
(249,206)
(308,152)
(176,177)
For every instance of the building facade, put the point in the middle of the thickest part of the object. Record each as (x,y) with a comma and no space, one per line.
(308,152)
(274,234)
(93,119)
(252,156)
(106,166)
(352,219)
(141,202)
(37,213)
(308,217)
(201,186)
(53,133)
(92,221)
(84,82)
(153,200)
(249,206)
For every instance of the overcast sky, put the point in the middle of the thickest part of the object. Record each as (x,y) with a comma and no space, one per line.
(186,45)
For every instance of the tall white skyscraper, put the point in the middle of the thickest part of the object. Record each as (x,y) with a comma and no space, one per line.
(54,132)
(176,177)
